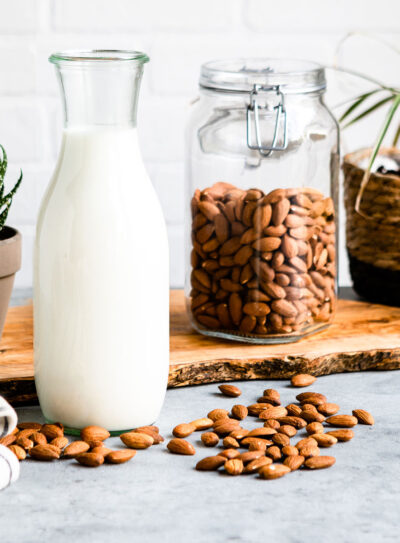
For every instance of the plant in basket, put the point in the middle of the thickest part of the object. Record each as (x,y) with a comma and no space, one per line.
(372,200)
(10,242)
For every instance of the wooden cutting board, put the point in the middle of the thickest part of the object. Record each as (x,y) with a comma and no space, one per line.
(363,337)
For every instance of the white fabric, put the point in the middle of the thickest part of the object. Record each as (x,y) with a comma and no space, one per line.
(9,463)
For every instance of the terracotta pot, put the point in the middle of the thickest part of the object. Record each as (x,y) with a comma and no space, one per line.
(10,263)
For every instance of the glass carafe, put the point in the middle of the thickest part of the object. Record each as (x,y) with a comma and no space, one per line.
(101,298)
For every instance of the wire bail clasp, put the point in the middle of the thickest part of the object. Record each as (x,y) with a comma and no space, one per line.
(254,108)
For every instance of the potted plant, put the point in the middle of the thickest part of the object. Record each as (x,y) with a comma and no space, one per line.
(10,242)
(372,201)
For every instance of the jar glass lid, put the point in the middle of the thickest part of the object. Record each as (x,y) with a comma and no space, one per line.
(241,75)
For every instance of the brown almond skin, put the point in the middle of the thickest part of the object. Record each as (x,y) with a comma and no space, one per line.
(342,421)
(288,430)
(341,435)
(230,390)
(294,410)
(30,426)
(8,440)
(234,466)
(229,453)
(225,426)
(272,396)
(282,440)
(320,462)
(38,438)
(24,442)
(217,414)
(157,438)
(230,443)
(312,416)
(255,465)
(290,450)
(120,457)
(210,439)
(19,452)
(202,424)
(90,459)
(297,422)
(239,433)
(273,413)
(303,380)
(262,432)
(274,452)
(94,433)
(59,442)
(183,430)
(256,408)
(328,409)
(75,448)
(294,462)
(135,440)
(181,446)
(309,451)
(210,463)
(258,441)
(303,397)
(51,431)
(239,412)
(314,428)
(306,442)
(28,432)
(104,451)
(251,455)
(272,423)
(363,417)
(273,471)
(324,440)
(45,453)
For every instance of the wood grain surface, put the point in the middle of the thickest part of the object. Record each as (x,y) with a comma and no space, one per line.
(363,336)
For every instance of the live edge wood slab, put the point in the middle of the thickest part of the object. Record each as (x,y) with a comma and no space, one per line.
(363,337)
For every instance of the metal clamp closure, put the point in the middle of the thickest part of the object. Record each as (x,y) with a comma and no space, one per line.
(254,108)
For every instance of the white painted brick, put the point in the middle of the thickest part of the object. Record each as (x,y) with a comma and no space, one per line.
(167,179)
(313,16)
(19,15)
(176,259)
(17,69)
(106,16)
(22,130)
(176,70)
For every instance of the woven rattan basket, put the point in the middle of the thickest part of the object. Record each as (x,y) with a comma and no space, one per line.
(373,240)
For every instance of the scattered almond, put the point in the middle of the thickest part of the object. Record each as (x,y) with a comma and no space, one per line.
(256,408)
(314,428)
(324,440)
(104,451)
(210,463)
(135,440)
(183,430)
(272,423)
(288,430)
(311,397)
(297,422)
(363,417)
(51,431)
(273,471)
(234,466)
(294,409)
(229,453)
(282,440)
(274,452)
(24,442)
(225,426)
(273,413)
(342,421)
(59,442)
(328,409)
(210,439)
(261,432)
(8,440)
(30,426)
(230,390)
(202,424)
(251,455)
(320,462)
(120,457)
(239,433)
(255,465)
(45,453)
(289,450)
(303,380)
(341,435)
(90,459)
(294,462)
(94,433)
(181,446)
(272,396)
(312,416)
(307,441)
(308,451)
(19,452)
(37,437)
(230,443)
(75,448)
(217,414)
(239,412)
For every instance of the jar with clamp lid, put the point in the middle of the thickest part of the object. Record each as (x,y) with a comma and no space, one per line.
(261,174)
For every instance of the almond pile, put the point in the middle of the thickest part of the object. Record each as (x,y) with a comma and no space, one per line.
(269,450)
(46,442)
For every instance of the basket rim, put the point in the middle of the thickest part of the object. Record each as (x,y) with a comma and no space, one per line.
(352,159)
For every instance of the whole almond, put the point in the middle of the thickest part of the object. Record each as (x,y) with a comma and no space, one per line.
(297,422)
(320,462)
(280,211)
(288,430)
(181,446)
(29,426)
(251,455)
(134,440)
(225,426)
(274,452)
(37,437)
(281,440)
(363,416)
(183,430)
(314,428)
(19,452)
(257,442)
(272,396)
(328,409)
(259,445)
(273,413)
(230,443)
(230,390)
(303,397)
(210,439)
(309,451)
(90,459)
(341,435)
(261,432)
(217,414)
(273,471)
(104,451)
(75,448)
(255,465)
(272,423)
(239,412)
(307,441)
(324,440)
(239,433)
(303,380)
(294,462)
(157,438)
(294,410)
(25,442)
(59,442)
(94,433)
(8,440)
(202,424)
(94,444)
(120,457)
(229,453)
(210,463)
(51,431)
(234,466)
(342,421)
(28,432)
(45,453)
(289,450)
(312,416)
(256,408)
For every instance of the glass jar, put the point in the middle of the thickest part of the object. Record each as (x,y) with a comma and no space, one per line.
(262,181)
(99,284)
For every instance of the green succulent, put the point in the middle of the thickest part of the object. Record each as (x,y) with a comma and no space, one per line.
(6,199)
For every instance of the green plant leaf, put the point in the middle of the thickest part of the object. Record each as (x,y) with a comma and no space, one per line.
(357,102)
(396,137)
(3,169)
(370,110)
(14,189)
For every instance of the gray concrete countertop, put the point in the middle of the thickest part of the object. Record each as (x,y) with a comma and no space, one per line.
(159,496)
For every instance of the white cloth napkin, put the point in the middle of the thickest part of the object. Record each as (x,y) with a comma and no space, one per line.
(9,463)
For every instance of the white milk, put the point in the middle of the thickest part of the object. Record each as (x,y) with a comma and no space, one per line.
(101,286)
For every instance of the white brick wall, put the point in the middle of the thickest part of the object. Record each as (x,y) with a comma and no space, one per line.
(178,35)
